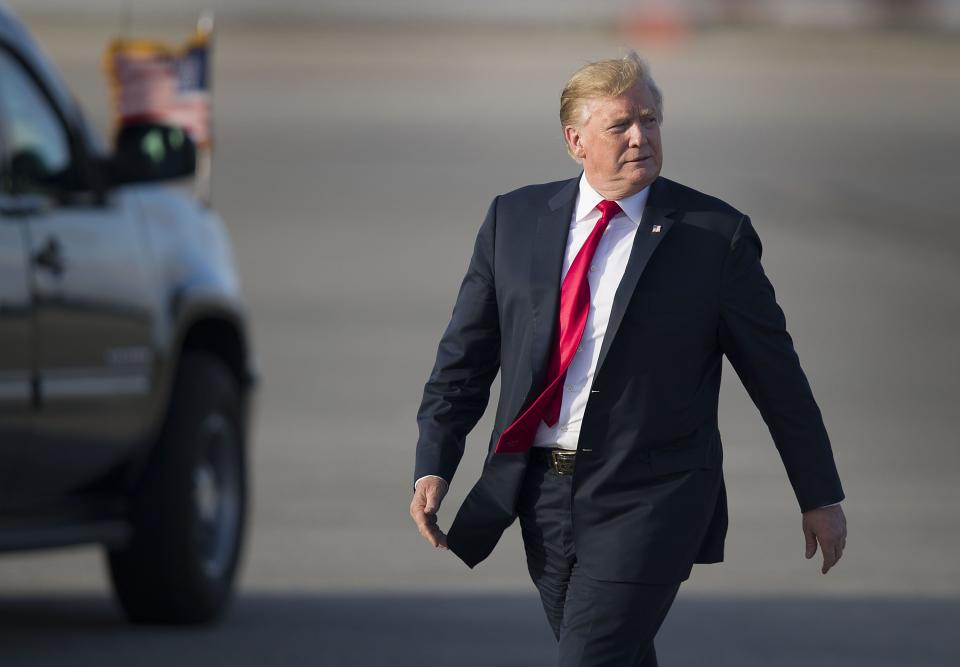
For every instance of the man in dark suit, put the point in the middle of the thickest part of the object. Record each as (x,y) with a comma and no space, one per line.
(606,302)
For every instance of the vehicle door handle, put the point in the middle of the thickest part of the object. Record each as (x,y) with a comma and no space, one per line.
(50,257)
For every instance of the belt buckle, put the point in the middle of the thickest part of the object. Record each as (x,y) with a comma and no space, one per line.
(562,461)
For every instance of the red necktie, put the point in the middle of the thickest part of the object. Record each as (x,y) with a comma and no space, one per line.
(574,309)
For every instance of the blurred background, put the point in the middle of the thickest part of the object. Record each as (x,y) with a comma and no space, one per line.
(358,144)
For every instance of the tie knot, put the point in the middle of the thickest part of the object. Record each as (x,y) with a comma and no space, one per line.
(608,209)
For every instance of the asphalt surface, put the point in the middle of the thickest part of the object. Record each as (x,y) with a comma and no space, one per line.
(477,630)
(353,166)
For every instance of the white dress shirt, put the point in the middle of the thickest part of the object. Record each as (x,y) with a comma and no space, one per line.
(606,271)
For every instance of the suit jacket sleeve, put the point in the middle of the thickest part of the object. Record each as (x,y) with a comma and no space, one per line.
(468,359)
(754,337)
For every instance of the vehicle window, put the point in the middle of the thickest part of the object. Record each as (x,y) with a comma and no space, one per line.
(37,146)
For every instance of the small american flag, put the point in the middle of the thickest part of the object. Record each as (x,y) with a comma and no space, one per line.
(153,83)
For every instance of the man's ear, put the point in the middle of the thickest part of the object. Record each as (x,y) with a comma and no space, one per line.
(571,135)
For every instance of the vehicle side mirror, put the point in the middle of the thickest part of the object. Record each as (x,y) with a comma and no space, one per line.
(151,152)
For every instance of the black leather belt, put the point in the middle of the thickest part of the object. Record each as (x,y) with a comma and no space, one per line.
(561,461)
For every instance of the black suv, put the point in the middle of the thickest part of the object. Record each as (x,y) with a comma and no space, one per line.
(125,365)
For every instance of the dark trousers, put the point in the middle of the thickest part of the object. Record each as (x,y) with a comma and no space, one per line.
(597,623)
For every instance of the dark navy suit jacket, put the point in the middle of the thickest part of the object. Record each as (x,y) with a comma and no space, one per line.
(648,492)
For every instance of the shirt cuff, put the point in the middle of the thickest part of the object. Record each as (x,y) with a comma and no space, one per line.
(446,484)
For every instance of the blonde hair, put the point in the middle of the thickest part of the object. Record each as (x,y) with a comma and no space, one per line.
(605,78)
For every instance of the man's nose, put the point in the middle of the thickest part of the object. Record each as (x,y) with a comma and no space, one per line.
(635,135)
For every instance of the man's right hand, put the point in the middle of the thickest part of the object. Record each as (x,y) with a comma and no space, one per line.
(427,496)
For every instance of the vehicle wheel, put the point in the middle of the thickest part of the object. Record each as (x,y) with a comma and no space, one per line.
(188,513)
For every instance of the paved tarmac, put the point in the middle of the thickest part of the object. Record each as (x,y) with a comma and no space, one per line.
(354,164)
(477,630)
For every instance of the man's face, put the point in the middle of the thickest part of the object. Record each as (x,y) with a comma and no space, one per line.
(619,143)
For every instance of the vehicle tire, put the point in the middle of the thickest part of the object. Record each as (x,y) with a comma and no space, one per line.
(188,512)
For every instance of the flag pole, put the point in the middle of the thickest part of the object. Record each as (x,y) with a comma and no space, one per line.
(204,179)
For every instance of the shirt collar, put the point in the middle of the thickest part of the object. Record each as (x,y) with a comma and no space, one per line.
(588,198)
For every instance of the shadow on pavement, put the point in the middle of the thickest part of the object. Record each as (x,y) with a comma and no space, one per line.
(466,630)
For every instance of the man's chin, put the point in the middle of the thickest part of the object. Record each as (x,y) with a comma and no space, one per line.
(640,176)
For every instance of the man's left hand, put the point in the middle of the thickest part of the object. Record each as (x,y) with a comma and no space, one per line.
(828,526)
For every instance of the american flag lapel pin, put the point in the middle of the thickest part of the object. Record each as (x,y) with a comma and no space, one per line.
(656,229)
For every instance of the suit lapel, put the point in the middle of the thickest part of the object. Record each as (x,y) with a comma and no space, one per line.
(655,217)
(549,246)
